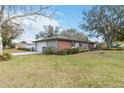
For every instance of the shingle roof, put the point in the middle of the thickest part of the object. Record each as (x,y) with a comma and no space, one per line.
(62,38)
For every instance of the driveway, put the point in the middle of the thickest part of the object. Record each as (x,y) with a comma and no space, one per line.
(24,53)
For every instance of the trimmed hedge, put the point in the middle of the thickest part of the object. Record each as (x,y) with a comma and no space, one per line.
(24,49)
(5,57)
(114,49)
(84,49)
(68,51)
(61,52)
(48,51)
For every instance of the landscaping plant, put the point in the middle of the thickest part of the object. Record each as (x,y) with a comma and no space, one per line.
(5,57)
(48,51)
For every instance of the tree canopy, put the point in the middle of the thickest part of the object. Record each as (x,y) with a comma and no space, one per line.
(105,21)
(74,34)
(14,12)
(49,31)
(10,31)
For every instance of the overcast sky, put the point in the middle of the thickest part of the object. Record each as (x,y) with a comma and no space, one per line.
(66,17)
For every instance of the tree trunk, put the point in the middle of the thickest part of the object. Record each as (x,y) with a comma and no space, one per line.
(1,17)
(108,41)
(109,44)
(1,44)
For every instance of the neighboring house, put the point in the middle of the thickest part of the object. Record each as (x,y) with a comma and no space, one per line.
(59,43)
(29,46)
(18,45)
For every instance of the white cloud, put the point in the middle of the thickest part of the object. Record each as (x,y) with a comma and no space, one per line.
(31,28)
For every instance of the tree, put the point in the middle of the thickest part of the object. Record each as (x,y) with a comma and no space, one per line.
(104,21)
(24,42)
(10,31)
(8,12)
(120,36)
(49,31)
(74,34)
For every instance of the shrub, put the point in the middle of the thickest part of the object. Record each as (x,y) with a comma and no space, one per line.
(48,51)
(84,49)
(24,49)
(74,50)
(5,57)
(61,52)
(21,48)
(64,51)
(68,51)
(114,49)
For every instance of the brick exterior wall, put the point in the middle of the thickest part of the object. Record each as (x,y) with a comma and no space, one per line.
(64,44)
(91,46)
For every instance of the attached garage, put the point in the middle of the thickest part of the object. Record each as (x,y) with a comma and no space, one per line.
(40,45)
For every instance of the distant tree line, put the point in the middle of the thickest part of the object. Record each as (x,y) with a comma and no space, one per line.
(50,31)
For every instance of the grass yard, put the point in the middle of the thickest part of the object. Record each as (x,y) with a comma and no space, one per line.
(89,69)
(13,50)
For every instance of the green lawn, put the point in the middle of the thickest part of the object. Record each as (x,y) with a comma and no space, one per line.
(89,69)
(13,50)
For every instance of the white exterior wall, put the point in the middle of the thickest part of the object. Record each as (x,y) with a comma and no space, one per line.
(53,44)
(77,45)
(94,45)
(39,46)
(85,45)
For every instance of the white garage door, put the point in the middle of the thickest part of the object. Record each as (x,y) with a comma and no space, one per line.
(40,45)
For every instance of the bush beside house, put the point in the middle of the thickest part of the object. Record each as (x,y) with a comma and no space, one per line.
(48,51)
(114,49)
(68,51)
(64,51)
(26,49)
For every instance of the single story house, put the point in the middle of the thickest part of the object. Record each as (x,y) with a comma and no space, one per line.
(59,43)
(29,46)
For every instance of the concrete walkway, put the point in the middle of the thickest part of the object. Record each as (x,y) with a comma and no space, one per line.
(24,53)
